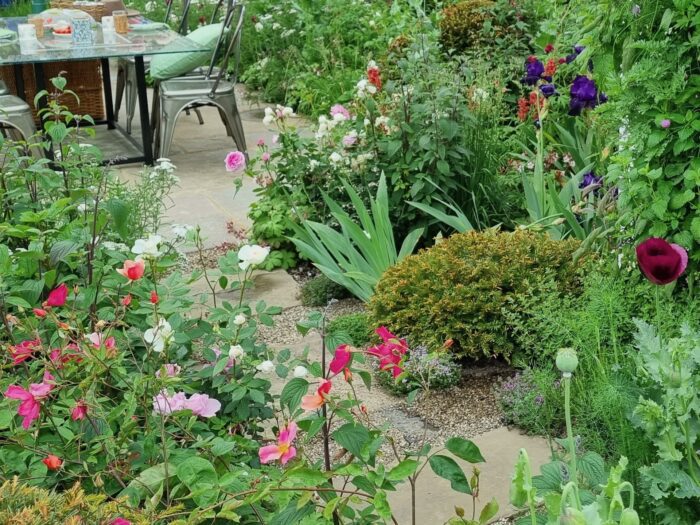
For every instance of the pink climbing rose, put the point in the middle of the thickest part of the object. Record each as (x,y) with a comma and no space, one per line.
(31,398)
(283,450)
(341,359)
(390,352)
(235,161)
(314,401)
(57,296)
(202,405)
(79,411)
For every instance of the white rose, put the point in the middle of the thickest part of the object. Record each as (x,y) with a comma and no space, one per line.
(180,230)
(239,320)
(147,247)
(268,119)
(266,366)
(252,255)
(236,352)
(159,336)
(259,27)
(335,157)
(288,112)
(300,371)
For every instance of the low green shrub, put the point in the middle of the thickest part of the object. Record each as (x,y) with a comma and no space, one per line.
(356,325)
(461,23)
(21,504)
(319,290)
(460,288)
(532,400)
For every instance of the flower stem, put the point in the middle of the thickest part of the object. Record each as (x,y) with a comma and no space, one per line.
(569,430)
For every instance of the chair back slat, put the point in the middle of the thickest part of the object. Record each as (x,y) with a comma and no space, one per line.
(234,47)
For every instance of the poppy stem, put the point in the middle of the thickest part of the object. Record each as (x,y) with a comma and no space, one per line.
(658,311)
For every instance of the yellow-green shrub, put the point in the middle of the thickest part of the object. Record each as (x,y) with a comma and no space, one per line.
(21,504)
(461,23)
(460,288)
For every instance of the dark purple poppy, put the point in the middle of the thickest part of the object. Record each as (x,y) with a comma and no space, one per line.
(533,71)
(661,262)
(548,90)
(589,179)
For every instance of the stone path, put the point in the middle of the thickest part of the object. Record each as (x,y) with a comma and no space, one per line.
(205,196)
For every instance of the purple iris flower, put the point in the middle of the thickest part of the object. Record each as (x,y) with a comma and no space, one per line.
(577,51)
(533,72)
(584,94)
(548,90)
(589,179)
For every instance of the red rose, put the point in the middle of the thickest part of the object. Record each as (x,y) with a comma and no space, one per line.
(661,262)
(52,462)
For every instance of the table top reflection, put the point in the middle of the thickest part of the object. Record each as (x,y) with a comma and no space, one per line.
(51,48)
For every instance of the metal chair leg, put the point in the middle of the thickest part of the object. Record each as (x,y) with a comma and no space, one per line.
(121,83)
(170,110)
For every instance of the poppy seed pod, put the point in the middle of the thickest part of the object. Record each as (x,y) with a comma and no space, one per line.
(629,517)
(567,361)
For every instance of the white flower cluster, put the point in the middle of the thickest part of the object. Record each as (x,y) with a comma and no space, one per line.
(364,88)
(277,114)
(326,125)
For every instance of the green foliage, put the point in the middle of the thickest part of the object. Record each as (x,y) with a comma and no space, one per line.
(423,370)
(356,326)
(319,290)
(459,288)
(21,504)
(669,414)
(532,400)
(357,257)
(461,24)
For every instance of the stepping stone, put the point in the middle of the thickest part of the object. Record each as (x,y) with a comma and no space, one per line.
(436,500)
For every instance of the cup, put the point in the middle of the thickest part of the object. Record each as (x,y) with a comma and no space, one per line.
(121,22)
(108,24)
(39,6)
(38,22)
(26,31)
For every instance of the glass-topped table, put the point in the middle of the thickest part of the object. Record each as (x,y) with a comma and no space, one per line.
(137,44)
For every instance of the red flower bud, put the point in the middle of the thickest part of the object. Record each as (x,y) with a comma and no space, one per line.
(52,462)
(548,48)
(154,297)
(39,312)
(126,300)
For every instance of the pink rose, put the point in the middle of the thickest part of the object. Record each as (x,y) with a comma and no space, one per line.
(202,405)
(235,161)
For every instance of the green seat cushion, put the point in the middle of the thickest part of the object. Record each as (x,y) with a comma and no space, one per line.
(170,65)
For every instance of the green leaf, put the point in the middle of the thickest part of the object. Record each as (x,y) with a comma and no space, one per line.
(17,301)
(220,446)
(352,437)
(401,471)
(381,505)
(61,250)
(464,449)
(447,468)
(120,211)
(307,476)
(200,476)
(292,393)
(488,512)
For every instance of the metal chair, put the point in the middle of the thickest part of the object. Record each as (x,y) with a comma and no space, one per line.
(126,72)
(177,95)
(16,114)
(3,88)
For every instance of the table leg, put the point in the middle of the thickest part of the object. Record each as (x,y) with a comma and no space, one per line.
(107,85)
(19,81)
(143,110)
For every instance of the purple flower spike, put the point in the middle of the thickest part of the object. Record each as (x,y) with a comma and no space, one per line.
(533,71)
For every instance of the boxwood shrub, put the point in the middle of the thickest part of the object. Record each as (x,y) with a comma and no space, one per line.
(461,288)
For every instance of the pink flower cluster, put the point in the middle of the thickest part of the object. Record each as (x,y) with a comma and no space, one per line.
(31,398)
(200,404)
(390,352)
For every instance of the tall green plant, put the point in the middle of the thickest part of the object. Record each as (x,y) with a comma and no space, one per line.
(358,254)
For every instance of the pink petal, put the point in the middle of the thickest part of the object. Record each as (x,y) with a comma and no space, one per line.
(290,454)
(288,433)
(311,402)
(385,334)
(17,392)
(269,453)
(340,359)
(684,258)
